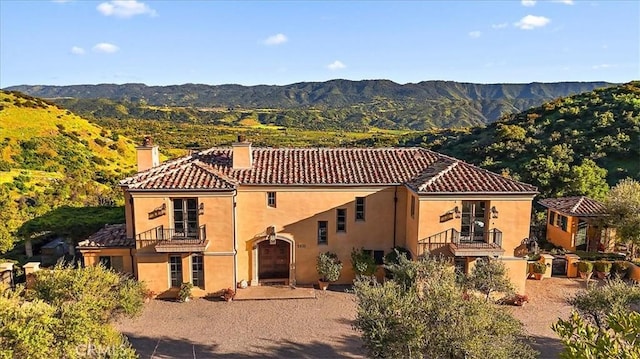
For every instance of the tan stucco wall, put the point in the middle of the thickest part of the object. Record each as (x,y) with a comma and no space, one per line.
(517,272)
(296,216)
(514,220)
(92,257)
(559,237)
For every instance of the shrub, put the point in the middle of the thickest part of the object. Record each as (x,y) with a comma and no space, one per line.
(489,276)
(393,258)
(620,268)
(328,266)
(603,266)
(539,267)
(185,292)
(585,266)
(100,142)
(362,262)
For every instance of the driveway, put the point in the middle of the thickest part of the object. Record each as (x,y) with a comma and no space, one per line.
(302,328)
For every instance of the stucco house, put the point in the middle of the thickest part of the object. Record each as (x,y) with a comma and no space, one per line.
(576,223)
(223,215)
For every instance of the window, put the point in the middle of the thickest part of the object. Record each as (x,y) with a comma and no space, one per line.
(197,270)
(378,256)
(552,218)
(112,262)
(413,207)
(359,208)
(185,217)
(175,269)
(322,232)
(341,220)
(271,199)
(563,222)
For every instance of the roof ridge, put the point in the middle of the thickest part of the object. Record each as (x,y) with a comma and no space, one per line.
(212,171)
(160,174)
(438,175)
(575,207)
(175,161)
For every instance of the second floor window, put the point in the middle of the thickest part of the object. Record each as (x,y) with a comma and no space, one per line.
(359,208)
(185,217)
(323,227)
(341,220)
(271,199)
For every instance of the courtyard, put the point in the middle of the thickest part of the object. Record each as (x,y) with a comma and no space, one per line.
(302,328)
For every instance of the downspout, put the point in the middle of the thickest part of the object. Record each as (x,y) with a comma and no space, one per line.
(235,242)
(395,214)
(133,227)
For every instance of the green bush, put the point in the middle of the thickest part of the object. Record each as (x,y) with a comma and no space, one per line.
(603,266)
(539,267)
(393,258)
(328,266)
(362,262)
(185,292)
(585,266)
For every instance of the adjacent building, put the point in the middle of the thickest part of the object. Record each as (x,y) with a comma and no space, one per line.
(223,215)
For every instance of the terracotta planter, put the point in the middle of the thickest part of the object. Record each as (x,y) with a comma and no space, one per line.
(538,276)
(601,275)
(323,285)
(586,275)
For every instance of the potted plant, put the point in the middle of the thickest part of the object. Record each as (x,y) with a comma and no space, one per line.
(228,294)
(585,268)
(362,262)
(148,295)
(539,269)
(620,269)
(184,295)
(603,269)
(328,266)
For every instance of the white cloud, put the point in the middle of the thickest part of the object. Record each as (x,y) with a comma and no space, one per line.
(499,26)
(530,22)
(566,2)
(528,3)
(475,34)
(602,66)
(125,8)
(76,50)
(336,65)
(106,48)
(276,39)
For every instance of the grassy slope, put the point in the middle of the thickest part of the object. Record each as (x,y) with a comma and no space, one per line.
(60,136)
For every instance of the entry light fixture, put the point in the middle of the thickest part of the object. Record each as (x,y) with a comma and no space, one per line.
(201,208)
(494,212)
(456,211)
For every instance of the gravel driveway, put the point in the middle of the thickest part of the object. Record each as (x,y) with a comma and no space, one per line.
(302,328)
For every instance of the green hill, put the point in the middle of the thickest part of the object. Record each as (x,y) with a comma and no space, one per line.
(562,146)
(335,104)
(51,158)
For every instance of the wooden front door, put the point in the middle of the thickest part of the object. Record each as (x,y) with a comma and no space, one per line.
(273,260)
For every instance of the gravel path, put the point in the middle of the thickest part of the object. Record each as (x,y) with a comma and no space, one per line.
(547,303)
(302,328)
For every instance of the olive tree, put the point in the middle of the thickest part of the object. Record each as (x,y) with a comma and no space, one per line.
(623,208)
(489,276)
(423,313)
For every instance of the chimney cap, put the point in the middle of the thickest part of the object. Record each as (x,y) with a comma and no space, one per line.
(147,141)
(242,138)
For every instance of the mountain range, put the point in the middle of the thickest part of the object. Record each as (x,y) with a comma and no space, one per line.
(384,104)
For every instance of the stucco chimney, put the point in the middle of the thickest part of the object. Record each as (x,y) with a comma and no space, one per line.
(147,154)
(242,156)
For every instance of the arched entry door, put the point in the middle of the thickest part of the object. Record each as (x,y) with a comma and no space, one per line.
(274,261)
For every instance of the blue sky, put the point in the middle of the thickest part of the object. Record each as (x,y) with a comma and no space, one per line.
(268,42)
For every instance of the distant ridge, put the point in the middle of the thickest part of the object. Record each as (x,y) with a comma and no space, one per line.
(464,103)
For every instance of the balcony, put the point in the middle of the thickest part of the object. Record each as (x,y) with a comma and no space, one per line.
(478,244)
(170,240)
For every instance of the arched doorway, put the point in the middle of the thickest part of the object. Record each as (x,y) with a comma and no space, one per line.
(273,262)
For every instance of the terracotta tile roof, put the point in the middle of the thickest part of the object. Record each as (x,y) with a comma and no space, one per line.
(111,235)
(423,170)
(575,206)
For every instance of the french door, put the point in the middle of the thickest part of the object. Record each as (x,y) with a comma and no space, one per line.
(185,217)
(474,221)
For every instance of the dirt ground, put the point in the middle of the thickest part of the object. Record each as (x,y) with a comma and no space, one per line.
(302,328)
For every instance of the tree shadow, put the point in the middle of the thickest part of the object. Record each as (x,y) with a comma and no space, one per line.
(165,348)
(549,348)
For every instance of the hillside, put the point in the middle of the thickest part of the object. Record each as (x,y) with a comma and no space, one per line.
(358,105)
(51,163)
(563,146)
